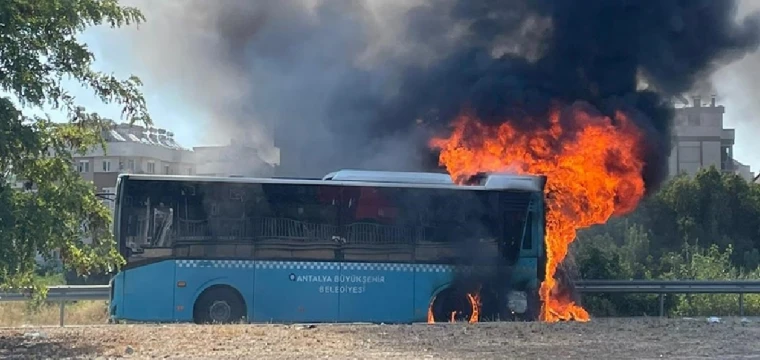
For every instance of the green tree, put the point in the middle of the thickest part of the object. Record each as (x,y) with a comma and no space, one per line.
(39,48)
(710,208)
(621,253)
(705,226)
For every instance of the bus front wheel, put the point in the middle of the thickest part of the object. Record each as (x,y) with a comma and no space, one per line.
(219,305)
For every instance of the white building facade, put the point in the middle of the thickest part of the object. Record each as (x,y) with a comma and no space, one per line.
(134,149)
(701,141)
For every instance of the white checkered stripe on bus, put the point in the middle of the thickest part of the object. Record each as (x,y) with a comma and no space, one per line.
(437,268)
(310,265)
(379,267)
(215,263)
(297,265)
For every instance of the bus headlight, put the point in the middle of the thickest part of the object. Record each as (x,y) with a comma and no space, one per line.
(517,301)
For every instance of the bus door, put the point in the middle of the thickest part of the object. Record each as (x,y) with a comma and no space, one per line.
(146,213)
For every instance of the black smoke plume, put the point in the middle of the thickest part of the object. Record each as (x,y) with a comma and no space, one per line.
(364,84)
(596,51)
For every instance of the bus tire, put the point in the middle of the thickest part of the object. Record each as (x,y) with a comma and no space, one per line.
(533,312)
(219,304)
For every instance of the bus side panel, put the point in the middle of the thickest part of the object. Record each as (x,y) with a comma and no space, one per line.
(149,292)
(296,291)
(199,275)
(376,292)
(429,279)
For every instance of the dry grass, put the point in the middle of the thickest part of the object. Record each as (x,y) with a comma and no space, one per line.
(79,313)
(599,339)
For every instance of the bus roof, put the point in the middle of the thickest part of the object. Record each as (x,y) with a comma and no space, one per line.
(390,177)
(492,181)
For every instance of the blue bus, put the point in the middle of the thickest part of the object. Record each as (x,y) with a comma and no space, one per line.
(354,246)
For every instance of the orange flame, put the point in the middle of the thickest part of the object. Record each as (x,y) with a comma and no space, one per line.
(475,303)
(593,166)
(473,298)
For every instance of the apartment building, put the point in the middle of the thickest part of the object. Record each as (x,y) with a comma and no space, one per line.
(701,141)
(134,149)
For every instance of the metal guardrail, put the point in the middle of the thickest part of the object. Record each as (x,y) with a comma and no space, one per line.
(62,294)
(670,286)
(663,287)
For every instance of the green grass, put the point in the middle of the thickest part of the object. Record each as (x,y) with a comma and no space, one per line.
(79,313)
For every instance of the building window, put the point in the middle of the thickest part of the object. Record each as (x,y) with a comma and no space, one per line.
(689,158)
(167,171)
(690,153)
(84,166)
(693,119)
(151,167)
(107,165)
(130,164)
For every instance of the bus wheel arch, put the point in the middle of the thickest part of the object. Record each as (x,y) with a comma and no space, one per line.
(219,304)
(449,304)
(450,299)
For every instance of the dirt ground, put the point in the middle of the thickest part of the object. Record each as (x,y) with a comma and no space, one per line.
(599,339)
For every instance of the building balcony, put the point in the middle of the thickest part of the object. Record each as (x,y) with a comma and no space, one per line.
(728,136)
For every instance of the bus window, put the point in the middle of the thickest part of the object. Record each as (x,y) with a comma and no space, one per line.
(302,213)
(191,219)
(461,216)
(148,214)
(245,213)
(456,227)
(376,215)
(517,224)
(442,223)
(212,212)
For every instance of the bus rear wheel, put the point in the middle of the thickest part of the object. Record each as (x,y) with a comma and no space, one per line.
(451,305)
(219,305)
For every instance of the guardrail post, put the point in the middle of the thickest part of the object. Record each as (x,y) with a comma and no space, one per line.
(662,304)
(741,304)
(63,312)
(63,307)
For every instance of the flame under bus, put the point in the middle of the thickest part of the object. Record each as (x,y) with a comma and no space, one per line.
(355,246)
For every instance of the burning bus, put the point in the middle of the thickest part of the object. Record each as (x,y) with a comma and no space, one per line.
(354,246)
